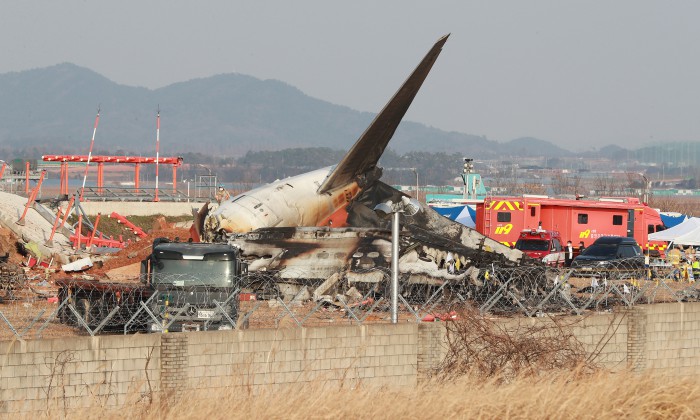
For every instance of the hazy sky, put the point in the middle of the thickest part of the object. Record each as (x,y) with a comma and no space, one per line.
(580,74)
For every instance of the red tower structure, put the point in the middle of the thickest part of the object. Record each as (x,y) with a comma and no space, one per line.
(101,160)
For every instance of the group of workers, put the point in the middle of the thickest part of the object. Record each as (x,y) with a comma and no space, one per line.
(570,252)
(685,263)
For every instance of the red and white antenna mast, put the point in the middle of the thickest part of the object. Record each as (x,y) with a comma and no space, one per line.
(92,143)
(157,150)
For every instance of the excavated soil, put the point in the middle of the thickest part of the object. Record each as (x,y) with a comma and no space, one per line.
(137,250)
(8,244)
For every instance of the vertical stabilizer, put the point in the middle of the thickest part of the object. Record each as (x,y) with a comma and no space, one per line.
(365,153)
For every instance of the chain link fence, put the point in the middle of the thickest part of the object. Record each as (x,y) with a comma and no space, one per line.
(267,300)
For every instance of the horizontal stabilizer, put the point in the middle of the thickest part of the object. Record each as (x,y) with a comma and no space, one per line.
(365,153)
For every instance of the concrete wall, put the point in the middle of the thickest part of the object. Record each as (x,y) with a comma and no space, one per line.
(37,375)
(372,354)
(664,338)
(77,371)
(126,208)
(672,338)
(604,334)
(116,370)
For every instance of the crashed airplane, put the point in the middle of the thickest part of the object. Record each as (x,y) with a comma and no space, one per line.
(322,222)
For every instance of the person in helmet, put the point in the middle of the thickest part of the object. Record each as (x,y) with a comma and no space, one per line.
(222,194)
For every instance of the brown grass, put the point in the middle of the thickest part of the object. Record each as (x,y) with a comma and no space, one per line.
(517,371)
(561,395)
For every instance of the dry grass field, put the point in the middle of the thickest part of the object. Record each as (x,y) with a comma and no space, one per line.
(555,395)
(489,372)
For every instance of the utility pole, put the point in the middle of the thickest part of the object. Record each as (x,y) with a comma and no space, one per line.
(92,143)
(408,206)
(645,196)
(415,171)
(466,172)
(157,150)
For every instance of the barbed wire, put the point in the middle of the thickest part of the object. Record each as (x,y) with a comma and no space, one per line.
(285,299)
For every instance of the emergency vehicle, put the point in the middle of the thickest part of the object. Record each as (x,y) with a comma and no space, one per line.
(545,245)
(504,218)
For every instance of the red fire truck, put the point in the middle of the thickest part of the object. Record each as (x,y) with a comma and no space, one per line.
(504,218)
(545,245)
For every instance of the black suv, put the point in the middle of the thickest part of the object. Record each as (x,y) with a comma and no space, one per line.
(607,251)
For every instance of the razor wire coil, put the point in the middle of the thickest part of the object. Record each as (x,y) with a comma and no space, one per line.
(275,299)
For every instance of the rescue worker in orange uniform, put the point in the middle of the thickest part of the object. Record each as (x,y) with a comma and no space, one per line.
(222,194)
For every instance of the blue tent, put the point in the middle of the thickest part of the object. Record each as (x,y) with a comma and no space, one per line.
(465,215)
(671,219)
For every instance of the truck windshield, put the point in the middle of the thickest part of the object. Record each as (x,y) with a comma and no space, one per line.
(532,245)
(195,273)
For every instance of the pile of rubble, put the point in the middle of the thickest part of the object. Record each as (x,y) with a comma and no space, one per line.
(26,245)
(124,265)
(34,231)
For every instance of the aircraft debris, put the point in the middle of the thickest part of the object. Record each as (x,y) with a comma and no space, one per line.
(78,265)
(320,229)
(320,197)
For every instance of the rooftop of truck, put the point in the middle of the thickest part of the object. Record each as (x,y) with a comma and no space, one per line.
(619,203)
(200,251)
(541,233)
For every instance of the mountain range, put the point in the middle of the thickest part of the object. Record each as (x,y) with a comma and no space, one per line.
(53,109)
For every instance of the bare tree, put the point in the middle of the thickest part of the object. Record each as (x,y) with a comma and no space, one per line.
(603,185)
(576,185)
(560,183)
(563,183)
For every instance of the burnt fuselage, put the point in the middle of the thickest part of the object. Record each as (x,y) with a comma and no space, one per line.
(321,197)
(290,202)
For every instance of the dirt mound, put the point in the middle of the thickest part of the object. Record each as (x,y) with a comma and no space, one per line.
(8,244)
(160,223)
(138,250)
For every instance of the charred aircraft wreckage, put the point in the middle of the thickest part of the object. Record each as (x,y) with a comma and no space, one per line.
(322,224)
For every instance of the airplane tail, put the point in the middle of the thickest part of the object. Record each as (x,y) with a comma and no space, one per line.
(365,153)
